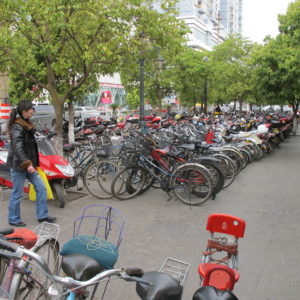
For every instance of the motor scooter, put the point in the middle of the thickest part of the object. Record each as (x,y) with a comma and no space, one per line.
(57,168)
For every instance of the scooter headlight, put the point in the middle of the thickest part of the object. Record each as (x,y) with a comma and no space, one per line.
(66,170)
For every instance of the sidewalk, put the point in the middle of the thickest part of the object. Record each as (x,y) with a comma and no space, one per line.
(265,194)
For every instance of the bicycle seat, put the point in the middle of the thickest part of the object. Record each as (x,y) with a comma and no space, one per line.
(210,292)
(76,144)
(80,267)
(68,147)
(164,287)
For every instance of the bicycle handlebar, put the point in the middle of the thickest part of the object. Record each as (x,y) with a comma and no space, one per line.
(6,245)
(18,252)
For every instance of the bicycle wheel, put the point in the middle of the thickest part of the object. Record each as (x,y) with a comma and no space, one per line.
(34,283)
(73,161)
(129,182)
(218,178)
(192,183)
(246,157)
(98,177)
(227,166)
(236,157)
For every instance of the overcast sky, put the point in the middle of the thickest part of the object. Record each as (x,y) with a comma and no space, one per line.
(260,18)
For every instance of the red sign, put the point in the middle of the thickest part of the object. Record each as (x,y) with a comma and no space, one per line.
(106,97)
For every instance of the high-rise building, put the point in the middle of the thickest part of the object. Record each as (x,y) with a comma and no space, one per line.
(210,21)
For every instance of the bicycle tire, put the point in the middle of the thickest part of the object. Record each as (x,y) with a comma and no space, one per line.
(99,185)
(227,166)
(217,175)
(132,177)
(35,284)
(71,159)
(246,158)
(192,184)
(236,157)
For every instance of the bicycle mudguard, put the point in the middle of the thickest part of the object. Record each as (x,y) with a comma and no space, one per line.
(210,292)
(164,287)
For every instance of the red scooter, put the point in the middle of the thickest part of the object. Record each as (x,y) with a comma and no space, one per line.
(57,169)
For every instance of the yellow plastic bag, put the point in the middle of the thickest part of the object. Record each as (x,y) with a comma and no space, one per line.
(32,193)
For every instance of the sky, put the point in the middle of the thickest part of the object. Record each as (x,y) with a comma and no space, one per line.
(260,18)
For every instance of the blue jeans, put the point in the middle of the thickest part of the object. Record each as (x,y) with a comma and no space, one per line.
(18,179)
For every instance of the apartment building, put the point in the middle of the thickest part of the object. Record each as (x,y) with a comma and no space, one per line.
(210,21)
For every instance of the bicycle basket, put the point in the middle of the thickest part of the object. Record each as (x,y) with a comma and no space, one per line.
(24,237)
(103,150)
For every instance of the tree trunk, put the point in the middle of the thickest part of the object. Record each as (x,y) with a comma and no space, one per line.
(234,106)
(241,105)
(58,141)
(71,135)
(295,105)
(295,124)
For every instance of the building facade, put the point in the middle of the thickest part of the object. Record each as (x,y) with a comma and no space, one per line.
(210,21)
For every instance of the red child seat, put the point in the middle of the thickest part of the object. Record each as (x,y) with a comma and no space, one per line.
(229,229)
(23,236)
(219,276)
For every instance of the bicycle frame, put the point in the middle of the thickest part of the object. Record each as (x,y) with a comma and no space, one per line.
(144,160)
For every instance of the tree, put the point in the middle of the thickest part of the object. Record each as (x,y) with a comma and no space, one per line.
(278,65)
(189,75)
(157,47)
(57,45)
(132,98)
(232,70)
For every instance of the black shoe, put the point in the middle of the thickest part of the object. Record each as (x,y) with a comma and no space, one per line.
(20,224)
(48,219)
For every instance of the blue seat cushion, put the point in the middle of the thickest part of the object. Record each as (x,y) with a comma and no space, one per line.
(104,252)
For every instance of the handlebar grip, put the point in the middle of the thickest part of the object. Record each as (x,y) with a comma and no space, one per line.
(137,272)
(12,247)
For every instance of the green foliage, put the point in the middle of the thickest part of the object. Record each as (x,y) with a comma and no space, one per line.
(133,98)
(153,43)
(57,45)
(189,75)
(278,64)
(232,71)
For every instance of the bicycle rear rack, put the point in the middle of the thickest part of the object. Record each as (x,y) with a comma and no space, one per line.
(176,269)
(46,231)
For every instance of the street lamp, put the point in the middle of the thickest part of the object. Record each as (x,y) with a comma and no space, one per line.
(142,90)
(205,59)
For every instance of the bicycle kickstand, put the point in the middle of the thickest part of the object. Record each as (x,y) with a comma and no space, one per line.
(170,196)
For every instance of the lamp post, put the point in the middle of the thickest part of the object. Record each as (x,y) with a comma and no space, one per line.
(205,59)
(160,65)
(142,90)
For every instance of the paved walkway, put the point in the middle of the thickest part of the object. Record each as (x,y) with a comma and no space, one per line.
(265,194)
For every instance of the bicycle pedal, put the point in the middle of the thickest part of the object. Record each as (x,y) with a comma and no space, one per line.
(79,188)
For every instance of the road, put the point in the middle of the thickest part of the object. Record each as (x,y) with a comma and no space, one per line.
(265,194)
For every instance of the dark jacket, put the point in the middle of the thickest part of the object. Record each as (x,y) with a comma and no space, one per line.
(23,150)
